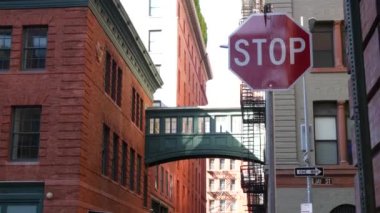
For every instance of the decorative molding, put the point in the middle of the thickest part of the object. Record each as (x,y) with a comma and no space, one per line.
(123,35)
(28,4)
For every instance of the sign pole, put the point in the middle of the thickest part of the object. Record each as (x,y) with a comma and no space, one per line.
(307,141)
(271,153)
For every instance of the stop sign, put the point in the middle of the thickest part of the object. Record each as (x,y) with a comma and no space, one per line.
(269,53)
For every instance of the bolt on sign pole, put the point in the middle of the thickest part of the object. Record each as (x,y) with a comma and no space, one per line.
(360,108)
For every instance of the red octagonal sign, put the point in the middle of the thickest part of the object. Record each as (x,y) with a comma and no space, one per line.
(269,52)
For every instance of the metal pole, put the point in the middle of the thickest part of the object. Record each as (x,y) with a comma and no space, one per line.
(271,153)
(360,108)
(307,140)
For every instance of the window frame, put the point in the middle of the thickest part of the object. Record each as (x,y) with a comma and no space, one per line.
(4,49)
(27,49)
(14,150)
(154,41)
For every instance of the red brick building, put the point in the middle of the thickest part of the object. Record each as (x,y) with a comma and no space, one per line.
(74,80)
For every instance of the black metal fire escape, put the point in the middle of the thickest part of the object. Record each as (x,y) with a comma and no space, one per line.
(252,174)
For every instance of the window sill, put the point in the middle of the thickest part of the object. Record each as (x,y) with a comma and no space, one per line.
(339,69)
(22,163)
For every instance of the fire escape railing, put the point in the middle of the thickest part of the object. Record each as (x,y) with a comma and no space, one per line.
(252,174)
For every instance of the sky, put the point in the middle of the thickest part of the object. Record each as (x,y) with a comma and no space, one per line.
(222,18)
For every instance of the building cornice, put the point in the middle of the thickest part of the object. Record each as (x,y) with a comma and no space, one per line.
(118,27)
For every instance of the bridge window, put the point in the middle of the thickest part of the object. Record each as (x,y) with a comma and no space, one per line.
(187,125)
(211,164)
(170,125)
(203,124)
(221,124)
(154,126)
(237,124)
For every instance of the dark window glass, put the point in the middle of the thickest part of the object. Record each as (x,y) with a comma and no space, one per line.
(138,175)
(113,80)
(141,113)
(323,46)
(5,47)
(132,170)
(133,104)
(106,139)
(115,159)
(107,73)
(35,46)
(26,133)
(145,202)
(124,164)
(119,86)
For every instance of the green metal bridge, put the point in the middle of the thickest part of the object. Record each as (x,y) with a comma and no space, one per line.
(189,132)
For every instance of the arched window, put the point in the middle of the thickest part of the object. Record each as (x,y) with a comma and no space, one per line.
(345,208)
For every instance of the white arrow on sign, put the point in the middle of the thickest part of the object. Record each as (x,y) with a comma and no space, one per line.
(308,171)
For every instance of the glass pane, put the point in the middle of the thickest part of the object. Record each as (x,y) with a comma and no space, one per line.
(325,128)
(236,124)
(167,125)
(151,126)
(154,41)
(21,209)
(174,125)
(221,124)
(326,152)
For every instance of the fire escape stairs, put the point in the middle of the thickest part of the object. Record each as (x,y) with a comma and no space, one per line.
(252,174)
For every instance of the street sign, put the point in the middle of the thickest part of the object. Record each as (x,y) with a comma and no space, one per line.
(308,171)
(269,52)
(306,208)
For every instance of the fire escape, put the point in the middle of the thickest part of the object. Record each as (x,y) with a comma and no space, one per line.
(253,113)
(223,191)
(252,174)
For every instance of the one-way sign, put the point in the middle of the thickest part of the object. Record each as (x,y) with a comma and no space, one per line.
(308,171)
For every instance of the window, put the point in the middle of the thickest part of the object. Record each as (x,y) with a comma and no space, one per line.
(132,170)
(5,47)
(113,78)
(232,164)
(154,41)
(323,46)
(158,67)
(106,139)
(156,171)
(162,180)
(154,8)
(25,133)
(170,186)
(167,182)
(325,133)
(203,124)
(222,205)
(187,125)
(115,158)
(237,124)
(154,126)
(123,176)
(212,206)
(233,185)
(21,197)
(221,124)
(137,109)
(222,184)
(222,162)
(138,178)
(211,184)
(233,205)
(170,125)
(145,201)
(35,45)
(211,165)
